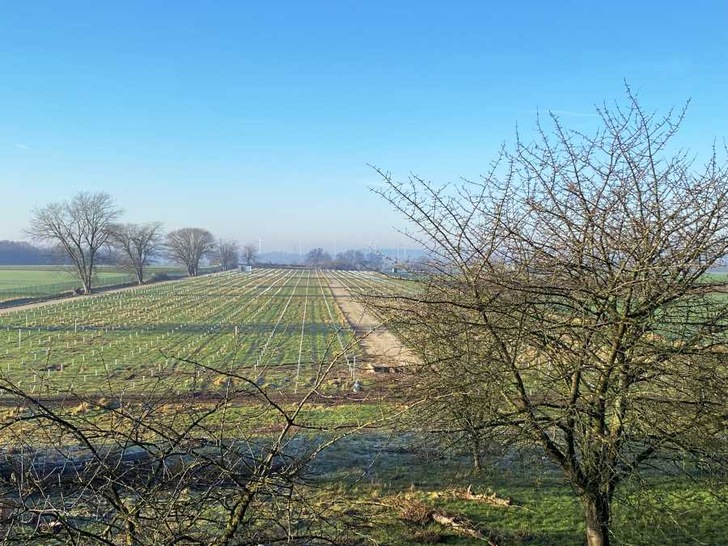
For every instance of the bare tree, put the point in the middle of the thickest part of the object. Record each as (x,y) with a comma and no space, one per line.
(136,244)
(350,259)
(373,261)
(188,246)
(318,257)
(111,471)
(570,306)
(78,228)
(227,253)
(249,253)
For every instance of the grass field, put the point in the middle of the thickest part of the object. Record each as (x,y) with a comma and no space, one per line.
(19,276)
(405,483)
(36,281)
(29,282)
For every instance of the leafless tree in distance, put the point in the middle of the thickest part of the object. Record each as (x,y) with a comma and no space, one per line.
(79,228)
(318,257)
(249,253)
(227,253)
(570,305)
(136,243)
(188,246)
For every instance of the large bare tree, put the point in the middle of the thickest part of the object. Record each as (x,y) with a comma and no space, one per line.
(249,253)
(79,228)
(227,253)
(136,243)
(570,304)
(188,246)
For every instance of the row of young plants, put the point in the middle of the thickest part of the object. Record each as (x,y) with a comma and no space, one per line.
(363,284)
(165,466)
(274,324)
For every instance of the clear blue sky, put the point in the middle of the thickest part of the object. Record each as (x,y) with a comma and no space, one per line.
(258,119)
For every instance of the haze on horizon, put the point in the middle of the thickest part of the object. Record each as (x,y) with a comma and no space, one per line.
(258,121)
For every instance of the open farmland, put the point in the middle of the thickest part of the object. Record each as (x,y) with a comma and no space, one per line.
(27,282)
(278,326)
(282,328)
(38,281)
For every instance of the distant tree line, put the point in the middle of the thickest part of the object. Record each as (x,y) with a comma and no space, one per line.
(354,260)
(22,253)
(85,232)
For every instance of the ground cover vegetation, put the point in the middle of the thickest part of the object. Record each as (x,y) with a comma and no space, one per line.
(568,308)
(266,460)
(222,402)
(275,323)
(24,284)
(18,282)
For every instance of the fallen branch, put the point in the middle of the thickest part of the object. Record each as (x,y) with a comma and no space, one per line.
(420,513)
(467,494)
(489,498)
(458,523)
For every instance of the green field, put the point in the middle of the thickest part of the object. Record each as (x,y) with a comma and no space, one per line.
(12,277)
(544,511)
(28,282)
(276,325)
(19,282)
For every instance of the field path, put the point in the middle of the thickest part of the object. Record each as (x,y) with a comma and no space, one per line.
(383,350)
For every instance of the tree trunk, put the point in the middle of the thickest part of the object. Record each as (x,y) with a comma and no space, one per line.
(475,450)
(597,512)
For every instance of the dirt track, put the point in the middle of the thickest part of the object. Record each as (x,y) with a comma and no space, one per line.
(383,350)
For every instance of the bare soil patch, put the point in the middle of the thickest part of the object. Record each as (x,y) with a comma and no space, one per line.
(384,351)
